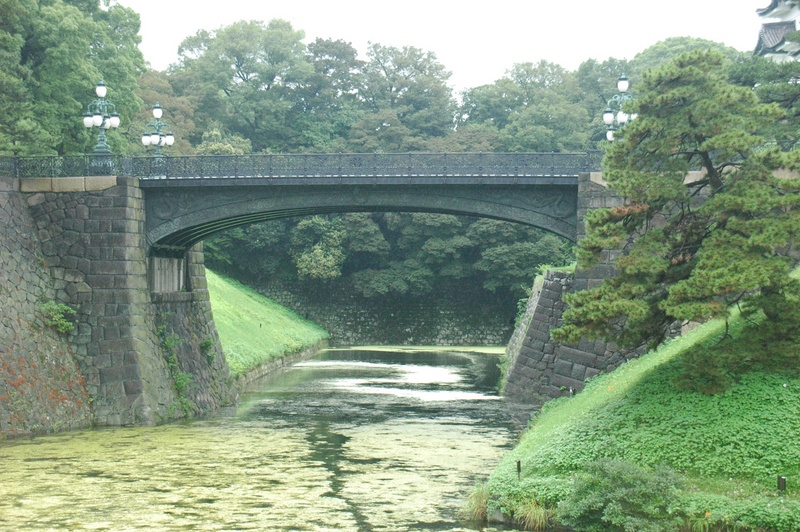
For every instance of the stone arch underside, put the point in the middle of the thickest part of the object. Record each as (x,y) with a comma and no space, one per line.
(179,217)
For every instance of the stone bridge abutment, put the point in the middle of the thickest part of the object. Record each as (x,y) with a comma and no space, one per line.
(129,340)
(541,368)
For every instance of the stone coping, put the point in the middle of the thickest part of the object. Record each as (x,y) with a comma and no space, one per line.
(691,177)
(65,184)
(172,297)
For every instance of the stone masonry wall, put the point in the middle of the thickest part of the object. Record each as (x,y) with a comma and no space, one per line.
(188,316)
(93,240)
(41,387)
(457,315)
(541,368)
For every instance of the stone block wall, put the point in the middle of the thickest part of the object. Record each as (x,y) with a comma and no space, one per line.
(539,367)
(188,316)
(41,387)
(456,315)
(93,242)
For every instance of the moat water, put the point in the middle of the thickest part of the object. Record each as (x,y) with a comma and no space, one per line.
(355,440)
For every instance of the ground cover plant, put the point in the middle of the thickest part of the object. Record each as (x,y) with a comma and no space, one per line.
(683,457)
(254,329)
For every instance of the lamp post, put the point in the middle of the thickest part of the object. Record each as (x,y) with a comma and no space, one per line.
(614,117)
(158,133)
(102,114)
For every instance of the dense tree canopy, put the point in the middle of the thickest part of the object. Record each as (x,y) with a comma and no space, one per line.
(692,246)
(390,253)
(51,56)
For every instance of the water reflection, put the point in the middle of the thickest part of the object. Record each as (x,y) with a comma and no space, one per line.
(353,440)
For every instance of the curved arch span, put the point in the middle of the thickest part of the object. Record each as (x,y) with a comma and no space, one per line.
(178,218)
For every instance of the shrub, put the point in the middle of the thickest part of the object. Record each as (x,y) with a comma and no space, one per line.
(207,348)
(617,495)
(55,315)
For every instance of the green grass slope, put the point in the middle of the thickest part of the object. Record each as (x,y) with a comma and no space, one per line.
(254,329)
(729,448)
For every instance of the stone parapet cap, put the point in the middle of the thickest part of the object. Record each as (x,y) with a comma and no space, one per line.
(696,175)
(9,184)
(172,297)
(67,184)
(597,178)
(691,177)
(785,173)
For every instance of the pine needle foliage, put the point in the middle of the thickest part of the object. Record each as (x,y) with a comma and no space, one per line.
(692,246)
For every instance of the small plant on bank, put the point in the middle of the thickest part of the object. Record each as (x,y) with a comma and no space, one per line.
(181,380)
(476,507)
(207,348)
(534,516)
(58,316)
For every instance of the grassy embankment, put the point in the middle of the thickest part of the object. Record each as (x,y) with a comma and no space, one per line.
(253,329)
(728,450)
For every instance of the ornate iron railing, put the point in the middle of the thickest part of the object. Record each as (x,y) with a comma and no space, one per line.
(308,165)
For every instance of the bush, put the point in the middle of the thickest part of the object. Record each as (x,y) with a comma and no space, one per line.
(534,516)
(618,495)
(56,316)
(207,348)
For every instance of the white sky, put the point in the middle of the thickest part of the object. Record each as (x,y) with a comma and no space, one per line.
(477,41)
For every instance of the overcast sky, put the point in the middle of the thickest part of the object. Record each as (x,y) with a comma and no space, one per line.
(477,41)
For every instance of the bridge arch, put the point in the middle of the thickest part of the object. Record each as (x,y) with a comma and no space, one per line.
(179,216)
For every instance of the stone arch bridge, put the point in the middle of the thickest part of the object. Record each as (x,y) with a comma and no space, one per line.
(122,238)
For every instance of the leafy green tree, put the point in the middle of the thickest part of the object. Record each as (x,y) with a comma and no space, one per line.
(217,143)
(20,133)
(512,254)
(51,55)
(253,253)
(468,138)
(317,248)
(365,244)
(533,108)
(598,84)
(401,277)
(692,247)
(407,100)
(549,123)
(666,51)
(329,103)
(436,241)
(382,132)
(155,88)
(490,104)
(246,77)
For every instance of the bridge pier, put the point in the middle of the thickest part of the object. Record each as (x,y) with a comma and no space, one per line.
(129,341)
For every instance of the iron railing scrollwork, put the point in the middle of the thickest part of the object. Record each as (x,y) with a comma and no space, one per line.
(311,165)
(71,166)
